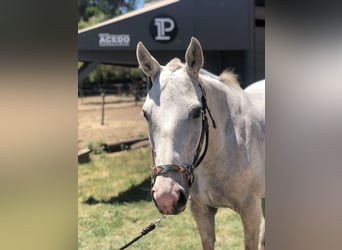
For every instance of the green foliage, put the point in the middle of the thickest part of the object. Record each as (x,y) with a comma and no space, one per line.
(92,20)
(109,73)
(92,11)
(96,147)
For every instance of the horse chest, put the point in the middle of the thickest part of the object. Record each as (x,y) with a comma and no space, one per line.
(217,190)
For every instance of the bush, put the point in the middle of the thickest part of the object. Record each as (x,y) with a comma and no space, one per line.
(109,73)
(96,147)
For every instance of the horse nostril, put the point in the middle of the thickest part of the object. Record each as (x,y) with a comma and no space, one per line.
(173,202)
(182,200)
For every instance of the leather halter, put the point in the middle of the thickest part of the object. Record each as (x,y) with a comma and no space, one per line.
(189,170)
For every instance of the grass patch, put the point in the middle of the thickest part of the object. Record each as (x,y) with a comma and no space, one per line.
(114,205)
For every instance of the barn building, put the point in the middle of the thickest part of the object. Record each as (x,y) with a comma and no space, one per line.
(231,34)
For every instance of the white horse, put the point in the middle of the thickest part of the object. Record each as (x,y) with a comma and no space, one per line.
(185,105)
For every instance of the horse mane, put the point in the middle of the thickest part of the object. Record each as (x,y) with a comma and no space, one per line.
(174,64)
(229,78)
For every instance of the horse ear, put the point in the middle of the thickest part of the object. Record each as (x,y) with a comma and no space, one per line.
(147,63)
(194,57)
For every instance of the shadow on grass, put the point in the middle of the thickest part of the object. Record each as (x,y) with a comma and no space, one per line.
(141,192)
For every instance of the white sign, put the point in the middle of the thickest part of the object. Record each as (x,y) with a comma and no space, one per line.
(164,25)
(113,40)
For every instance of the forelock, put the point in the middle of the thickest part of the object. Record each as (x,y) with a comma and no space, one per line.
(174,64)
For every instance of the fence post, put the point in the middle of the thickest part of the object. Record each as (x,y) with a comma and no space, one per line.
(103,104)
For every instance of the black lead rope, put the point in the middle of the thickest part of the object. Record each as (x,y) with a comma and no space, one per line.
(145,231)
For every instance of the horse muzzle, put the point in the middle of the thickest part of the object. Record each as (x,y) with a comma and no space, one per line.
(169,197)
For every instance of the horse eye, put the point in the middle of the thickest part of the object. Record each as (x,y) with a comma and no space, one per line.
(197,113)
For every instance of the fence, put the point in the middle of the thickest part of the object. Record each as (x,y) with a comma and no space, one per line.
(110,112)
(138,88)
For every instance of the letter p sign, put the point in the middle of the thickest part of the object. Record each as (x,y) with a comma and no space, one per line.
(163,29)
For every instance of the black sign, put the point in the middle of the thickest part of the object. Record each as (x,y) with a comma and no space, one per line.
(163,28)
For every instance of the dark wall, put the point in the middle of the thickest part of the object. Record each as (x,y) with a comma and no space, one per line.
(219,25)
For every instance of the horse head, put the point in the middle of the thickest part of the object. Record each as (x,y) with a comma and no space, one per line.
(175,114)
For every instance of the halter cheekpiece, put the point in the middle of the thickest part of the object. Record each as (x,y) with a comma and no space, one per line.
(189,170)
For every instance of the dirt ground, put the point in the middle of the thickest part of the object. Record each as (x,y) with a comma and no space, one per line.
(122,120)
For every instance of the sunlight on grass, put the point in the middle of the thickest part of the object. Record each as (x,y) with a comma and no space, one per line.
(115,205)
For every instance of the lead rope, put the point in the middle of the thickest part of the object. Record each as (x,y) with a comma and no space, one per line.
(145,231)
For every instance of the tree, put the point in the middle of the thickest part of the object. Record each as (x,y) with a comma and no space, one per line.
(108,8)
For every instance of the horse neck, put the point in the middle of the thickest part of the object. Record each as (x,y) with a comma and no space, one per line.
(225,101)
(228,106)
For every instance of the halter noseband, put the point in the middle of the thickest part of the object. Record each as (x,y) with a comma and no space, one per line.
(189,170)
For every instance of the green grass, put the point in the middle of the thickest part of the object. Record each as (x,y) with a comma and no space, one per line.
(114,205)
